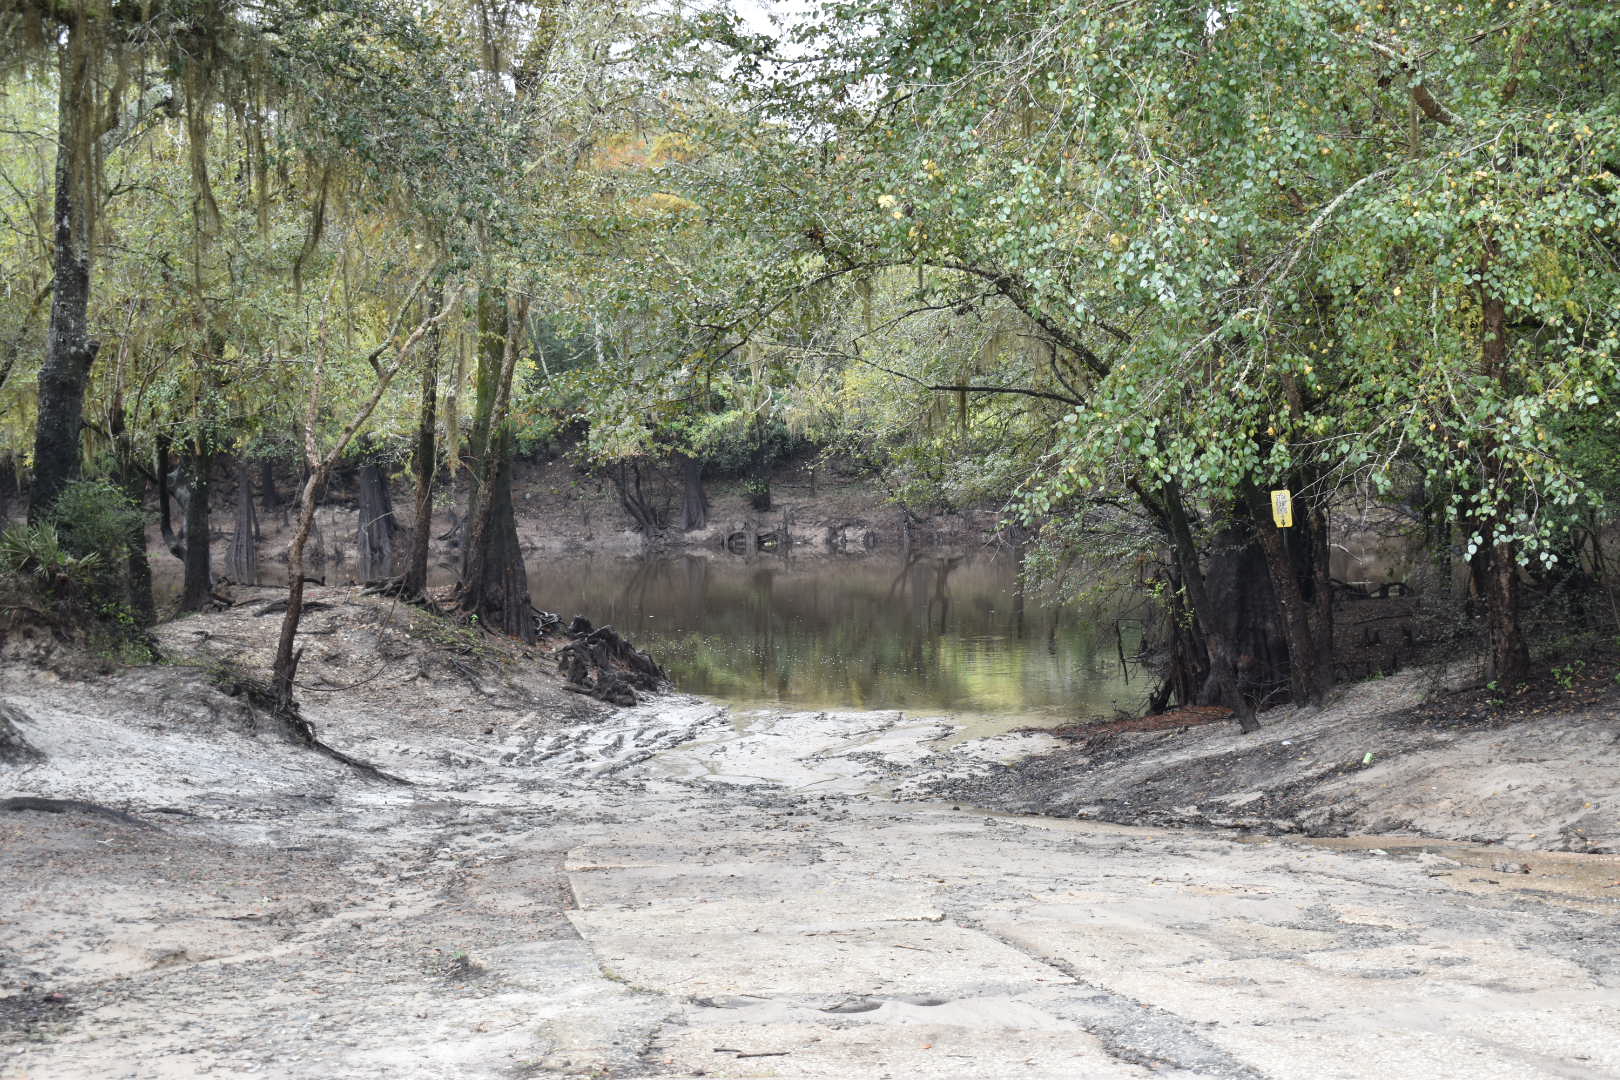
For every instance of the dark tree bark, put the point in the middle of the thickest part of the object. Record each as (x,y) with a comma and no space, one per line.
(199,575)
(165,521)
(8,486)
(494,584)
(133,484)
(492,325)
(423,464)
(1320,593)
(69,349)
(502,600)
(244,560)
(375,533)
(1244,612)
(643,513)
(1310,673)
(1496,574)
(694,500)
(1187,665)
(269,497)
(1221,683)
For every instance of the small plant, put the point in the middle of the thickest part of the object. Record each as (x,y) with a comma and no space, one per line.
(462,966)
(1565,676)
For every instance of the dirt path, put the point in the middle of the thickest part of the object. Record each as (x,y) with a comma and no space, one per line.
(677,891)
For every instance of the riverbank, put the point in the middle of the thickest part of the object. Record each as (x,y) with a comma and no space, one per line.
(681,889)
(1411,754)
(564,511)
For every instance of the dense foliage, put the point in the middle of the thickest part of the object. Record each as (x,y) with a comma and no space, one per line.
(1123,268)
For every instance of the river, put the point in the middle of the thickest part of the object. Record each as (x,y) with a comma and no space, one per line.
(934,633)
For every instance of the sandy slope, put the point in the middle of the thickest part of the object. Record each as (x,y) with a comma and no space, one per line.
(679,891)
(1368,762)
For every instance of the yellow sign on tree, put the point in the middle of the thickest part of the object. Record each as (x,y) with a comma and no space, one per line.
(1282,508)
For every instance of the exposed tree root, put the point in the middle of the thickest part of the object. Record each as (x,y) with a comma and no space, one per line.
(297,728)
(72,806)
(395,587)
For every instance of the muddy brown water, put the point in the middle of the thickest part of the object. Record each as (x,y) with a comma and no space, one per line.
(933,632)
(946,633)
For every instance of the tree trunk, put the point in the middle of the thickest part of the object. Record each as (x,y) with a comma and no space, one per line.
(502,601)
(694,500)
(1310,673)
(199,576)
(375,534)
(134,487)
(494,585)
(423,463)
(1187,669)
(285,667)
(626,476)
(1507,661)
(69,349)
(1221,685)
(1320,596)
(244,562)
(492,326)
(269,498)
(165,521)
(8,486)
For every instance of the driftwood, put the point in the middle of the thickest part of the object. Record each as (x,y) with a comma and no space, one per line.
(601,663)
(743,541)
(276,607)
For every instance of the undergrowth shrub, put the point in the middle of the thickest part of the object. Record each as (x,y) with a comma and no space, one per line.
(72,569)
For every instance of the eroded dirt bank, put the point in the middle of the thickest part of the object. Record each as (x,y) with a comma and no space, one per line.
(1381,757)
(675,890)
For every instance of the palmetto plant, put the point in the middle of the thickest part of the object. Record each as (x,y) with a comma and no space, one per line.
(36,554)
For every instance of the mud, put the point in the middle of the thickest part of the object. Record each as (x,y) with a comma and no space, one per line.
(1381,757)
(679,890)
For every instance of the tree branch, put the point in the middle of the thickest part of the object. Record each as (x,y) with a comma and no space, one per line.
(399,319)
(129,125)
(1420,92)
(1020,391)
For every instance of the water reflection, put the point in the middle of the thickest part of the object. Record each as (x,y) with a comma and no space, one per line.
(945,632)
